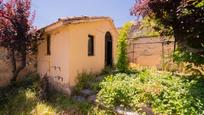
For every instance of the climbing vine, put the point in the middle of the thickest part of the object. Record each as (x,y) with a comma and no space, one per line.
(122,59)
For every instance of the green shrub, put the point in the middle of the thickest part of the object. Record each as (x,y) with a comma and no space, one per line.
(164,93)
(84,81)
(115,90)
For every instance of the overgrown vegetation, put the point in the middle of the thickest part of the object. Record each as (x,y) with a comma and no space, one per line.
(184,63)
(86,81)
(159,91)
(122,59)
(23,98)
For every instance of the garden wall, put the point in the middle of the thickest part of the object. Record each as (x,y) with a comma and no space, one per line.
(148,51)
(5,68)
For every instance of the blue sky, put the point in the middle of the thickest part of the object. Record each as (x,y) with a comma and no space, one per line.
(48,11)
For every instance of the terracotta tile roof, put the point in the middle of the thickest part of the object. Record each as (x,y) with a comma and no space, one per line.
(78,19)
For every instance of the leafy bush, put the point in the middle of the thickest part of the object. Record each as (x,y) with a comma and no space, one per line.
(115,90)
(84,80)
(193,63)
(160,91)
(188,57)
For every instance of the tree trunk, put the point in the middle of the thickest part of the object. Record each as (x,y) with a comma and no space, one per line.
(175,40)
(11,54)
(17,68)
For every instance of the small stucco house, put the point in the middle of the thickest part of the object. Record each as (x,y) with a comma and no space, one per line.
(74,45)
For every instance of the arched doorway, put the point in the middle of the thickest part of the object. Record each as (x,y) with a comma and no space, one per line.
(108,50)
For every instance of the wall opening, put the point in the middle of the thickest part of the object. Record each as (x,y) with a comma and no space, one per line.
(108,50)
(91,45)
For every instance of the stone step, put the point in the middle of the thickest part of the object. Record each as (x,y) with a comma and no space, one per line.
(87,92)
(92,99)
(79,98)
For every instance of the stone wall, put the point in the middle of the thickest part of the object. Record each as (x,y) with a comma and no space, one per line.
(5,71)
(148,51)
(5,67)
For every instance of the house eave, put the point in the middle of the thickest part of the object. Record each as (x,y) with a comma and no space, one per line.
(52,27)
(63,22)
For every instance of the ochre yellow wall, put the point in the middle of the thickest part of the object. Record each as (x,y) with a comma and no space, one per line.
(55,65)
(69,51)
(78,47)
